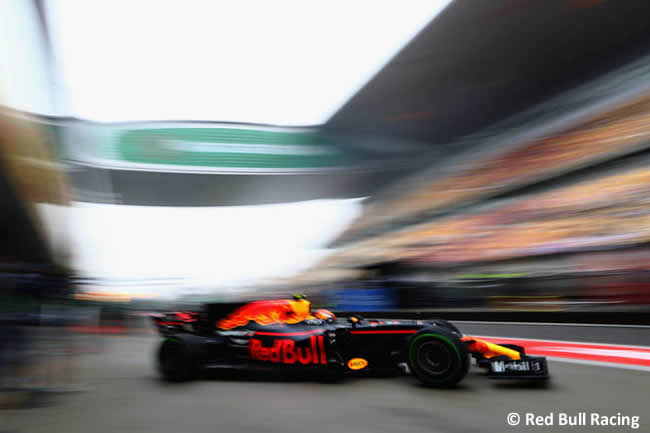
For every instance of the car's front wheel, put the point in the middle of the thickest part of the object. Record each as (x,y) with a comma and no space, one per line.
(437,357)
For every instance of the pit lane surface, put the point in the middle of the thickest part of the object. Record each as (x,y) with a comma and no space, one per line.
(124,395)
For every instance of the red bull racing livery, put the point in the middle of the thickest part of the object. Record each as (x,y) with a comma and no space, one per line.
(286,336)
(285,351)
(268,313)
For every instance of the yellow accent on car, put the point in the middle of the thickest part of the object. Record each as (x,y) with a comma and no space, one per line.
(357,363)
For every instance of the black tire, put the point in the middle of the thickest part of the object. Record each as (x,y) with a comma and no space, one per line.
(437,357)
(447,325)
(180,357)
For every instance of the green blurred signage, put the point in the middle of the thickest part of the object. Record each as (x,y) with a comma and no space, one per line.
(227,147)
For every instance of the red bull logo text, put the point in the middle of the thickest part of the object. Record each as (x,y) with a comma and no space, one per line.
(286,351)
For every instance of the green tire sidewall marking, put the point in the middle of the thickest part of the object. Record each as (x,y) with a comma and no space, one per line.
(438,337)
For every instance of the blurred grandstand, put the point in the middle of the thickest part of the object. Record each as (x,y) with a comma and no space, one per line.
(542,210)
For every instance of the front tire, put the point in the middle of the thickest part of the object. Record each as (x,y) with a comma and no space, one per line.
(437,357)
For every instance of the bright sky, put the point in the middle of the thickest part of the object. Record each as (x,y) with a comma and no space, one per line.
(212,247)
(284,62)
(24,81)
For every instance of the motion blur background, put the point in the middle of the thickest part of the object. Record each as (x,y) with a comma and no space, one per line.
(473,160)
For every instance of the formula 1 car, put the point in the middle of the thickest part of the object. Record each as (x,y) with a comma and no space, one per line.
(281,335)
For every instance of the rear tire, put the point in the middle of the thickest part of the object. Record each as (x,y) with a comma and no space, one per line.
(180,357)
(437,357)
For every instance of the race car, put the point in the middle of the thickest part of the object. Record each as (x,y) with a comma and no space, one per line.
(286,335)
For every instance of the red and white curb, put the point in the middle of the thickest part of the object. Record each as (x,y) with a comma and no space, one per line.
(608,355)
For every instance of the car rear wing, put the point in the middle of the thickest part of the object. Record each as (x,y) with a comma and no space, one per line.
(177,321)
(193,321)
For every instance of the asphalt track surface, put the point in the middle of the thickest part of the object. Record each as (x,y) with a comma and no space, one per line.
(124,395)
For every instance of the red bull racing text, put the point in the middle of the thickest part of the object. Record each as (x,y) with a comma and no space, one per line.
(286,351)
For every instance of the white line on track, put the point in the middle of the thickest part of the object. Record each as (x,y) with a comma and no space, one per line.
(600,363)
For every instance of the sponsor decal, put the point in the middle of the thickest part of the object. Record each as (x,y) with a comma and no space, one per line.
(285,351)
(357,363)
(503,366)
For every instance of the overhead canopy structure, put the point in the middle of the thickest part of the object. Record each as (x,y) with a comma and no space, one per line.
(481,61)
(474,64)
(212,163)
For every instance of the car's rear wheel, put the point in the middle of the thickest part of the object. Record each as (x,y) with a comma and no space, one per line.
(437,357)
(180,357)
